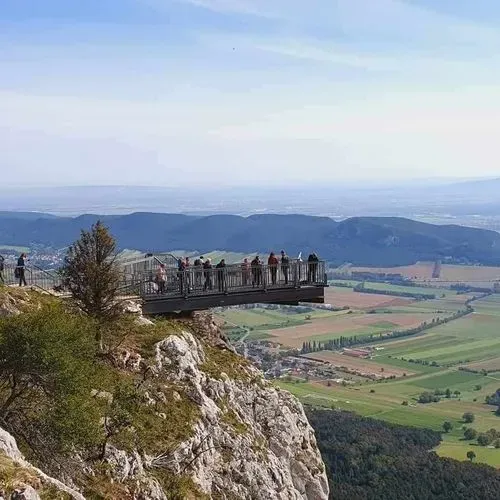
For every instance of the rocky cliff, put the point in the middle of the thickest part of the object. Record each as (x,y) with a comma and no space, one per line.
(207,426)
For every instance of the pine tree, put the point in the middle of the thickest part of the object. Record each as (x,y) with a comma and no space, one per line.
(91,275)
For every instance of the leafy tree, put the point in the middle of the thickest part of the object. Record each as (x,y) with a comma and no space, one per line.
(91,275)
(47,371)
(470,434)
(471,455)
(468,417)
(447,426)
(448,393)
(483,439)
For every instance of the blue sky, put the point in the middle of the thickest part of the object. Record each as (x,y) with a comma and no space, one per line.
(171,92)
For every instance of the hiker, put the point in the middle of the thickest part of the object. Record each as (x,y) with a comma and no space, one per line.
(285,265)
(161,279)
(273,262)
(20,271)
(198,273)
(2,267)
(207,268)
(181,274)
(312,267)
(187,274)
(256,265)
(221,275)
(245,272)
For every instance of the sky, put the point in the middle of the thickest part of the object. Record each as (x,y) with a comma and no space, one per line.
(248,92)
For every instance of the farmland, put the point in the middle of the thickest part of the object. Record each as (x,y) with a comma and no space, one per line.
(422,271)
(340,297)
(359,324)
(433,360)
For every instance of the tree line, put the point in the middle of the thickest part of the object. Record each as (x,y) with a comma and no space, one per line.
(349,341)
(361,287)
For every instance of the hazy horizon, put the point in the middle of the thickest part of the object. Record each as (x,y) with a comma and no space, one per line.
(239,92)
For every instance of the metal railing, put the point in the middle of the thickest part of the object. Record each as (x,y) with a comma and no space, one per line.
(32,275)
(195,281)
(198,281)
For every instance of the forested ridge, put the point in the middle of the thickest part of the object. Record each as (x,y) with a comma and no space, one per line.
(368,459)
(380,241)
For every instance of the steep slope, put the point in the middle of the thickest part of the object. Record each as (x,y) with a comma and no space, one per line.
(183,416)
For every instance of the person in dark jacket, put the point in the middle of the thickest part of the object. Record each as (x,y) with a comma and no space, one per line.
(221,278)
(181,275)
(285,265)
(21,269)
(207,269)
(256,266)
(312,267)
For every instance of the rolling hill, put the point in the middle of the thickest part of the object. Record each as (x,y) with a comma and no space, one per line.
(368,241)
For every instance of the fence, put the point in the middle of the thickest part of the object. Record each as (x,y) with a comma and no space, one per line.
(33,276)
(139,278)
(197,281)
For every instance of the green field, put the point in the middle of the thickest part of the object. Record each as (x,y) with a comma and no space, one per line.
(386,404)
(439,351)
(475,337)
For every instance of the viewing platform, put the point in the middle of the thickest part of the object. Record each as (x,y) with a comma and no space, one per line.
(197,288)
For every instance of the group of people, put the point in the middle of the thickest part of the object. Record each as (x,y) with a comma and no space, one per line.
(19,271)
(201,274)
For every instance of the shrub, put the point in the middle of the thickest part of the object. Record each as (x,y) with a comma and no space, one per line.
(470,434)
(468,417)
(47,371)
(447,426)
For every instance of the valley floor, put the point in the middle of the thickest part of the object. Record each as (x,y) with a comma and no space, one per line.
(433,360)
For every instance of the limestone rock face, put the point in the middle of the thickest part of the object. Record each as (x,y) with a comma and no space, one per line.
(253,441)
(9,452)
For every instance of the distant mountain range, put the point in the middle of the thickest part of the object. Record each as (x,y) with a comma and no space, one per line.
(369,241)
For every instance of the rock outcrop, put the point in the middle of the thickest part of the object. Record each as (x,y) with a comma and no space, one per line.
(252,440)
(24,480)
(212,426)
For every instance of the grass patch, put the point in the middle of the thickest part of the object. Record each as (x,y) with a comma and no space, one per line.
(218,361)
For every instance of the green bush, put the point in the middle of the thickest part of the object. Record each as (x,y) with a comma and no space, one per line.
(47,369)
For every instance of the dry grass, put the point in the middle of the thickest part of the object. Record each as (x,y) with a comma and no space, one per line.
(356,300)
(422,271)
(351,324)
(359,364)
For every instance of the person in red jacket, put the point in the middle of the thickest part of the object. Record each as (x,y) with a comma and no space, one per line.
(273,262)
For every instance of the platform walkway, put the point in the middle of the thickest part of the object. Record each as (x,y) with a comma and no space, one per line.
(198,288)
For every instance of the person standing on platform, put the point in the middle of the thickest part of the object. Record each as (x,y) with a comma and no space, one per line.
(256,265)
(2,267)
(181,275)
(207,268)
(312,267)
(273,262)
(198,273)
(221,275)
(245,272)
(161,279)
(285,266)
